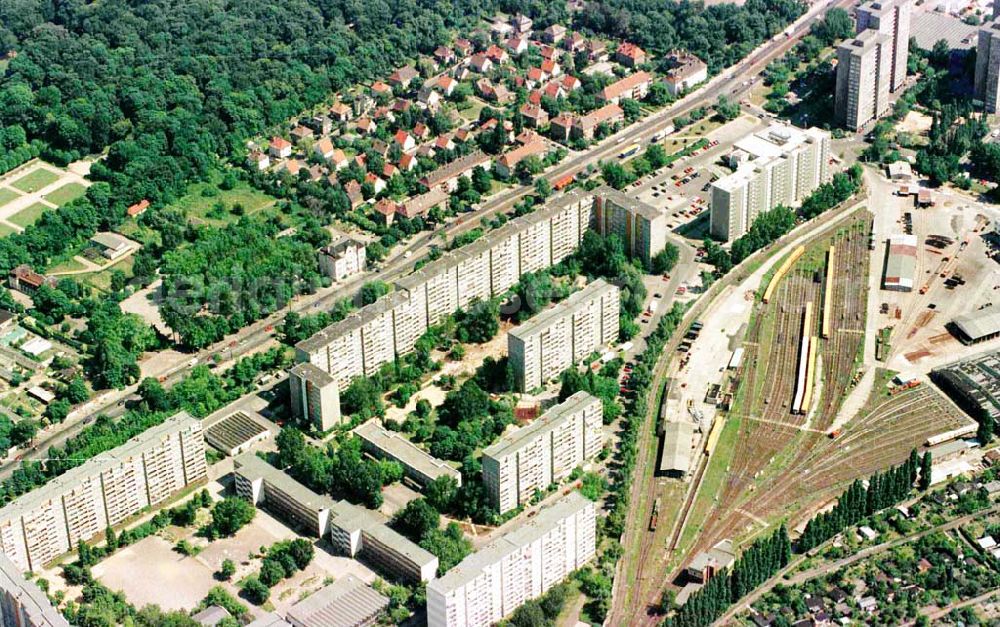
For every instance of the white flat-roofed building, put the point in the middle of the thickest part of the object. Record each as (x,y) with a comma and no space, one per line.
(417,464)
(548,343)
(315,397)
(864,78)
(900,263)
(782,166)
(544,452)
(522,565)
(77,505)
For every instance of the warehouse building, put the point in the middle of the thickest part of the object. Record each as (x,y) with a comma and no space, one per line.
(104,491)
(522,565)
(900,263)
(977,326)
(22,602)
(418,464)
(354,531)
(675,461)
(315,398)
(347,602)
(545,452)
(564,334)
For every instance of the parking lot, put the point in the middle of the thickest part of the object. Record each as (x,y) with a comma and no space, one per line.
(682,190)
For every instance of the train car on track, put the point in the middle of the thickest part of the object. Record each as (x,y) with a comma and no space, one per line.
(954,434)
(801,381)
(828,293)
(656,514)
(781,272)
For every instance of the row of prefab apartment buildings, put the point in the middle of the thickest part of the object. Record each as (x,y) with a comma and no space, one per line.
(380,332)
(146,472)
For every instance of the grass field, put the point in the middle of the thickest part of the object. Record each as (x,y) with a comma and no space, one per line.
(27,216)
(5,230)
(199,206)
(69,265)
(101,281)
(66,193)
(35,181)
(711,483)
(7,195)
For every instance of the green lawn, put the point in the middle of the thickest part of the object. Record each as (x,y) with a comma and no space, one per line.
(7,195)
(27,216)
(35,181)
(195,204)
(5,230)
(68,265)
(66,193)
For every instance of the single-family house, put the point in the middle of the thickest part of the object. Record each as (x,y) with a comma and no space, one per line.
(630,55)
(324,148)
(428,97)
(554,34)
(259,161)
(25,280)
(534,116)
(463,47)
(574,42)
(570,83)
(301,133)
(517,45)
(376,182)
(340,112)
(404,140)
(292,166)
(597,51)
(420,131)
(444,54)
(353,190)
(319,123)
(380,88)
(481,63)
(138,208)
(550,67)
(407,162)
(338,160)
(280,148)
(364,126)
(521,23)
(497,54)
(444,142)
(402,77)
(445,84)
(387,209)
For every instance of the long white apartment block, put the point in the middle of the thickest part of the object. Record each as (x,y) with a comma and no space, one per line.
(560,336)
(81,503)
(22,602)
(780,165)
(522,565)
(544,452)
(374,335)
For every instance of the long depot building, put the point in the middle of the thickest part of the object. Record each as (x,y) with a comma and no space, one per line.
(545,452)
(104,491)
(564,334)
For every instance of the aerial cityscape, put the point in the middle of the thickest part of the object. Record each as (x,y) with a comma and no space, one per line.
(582,312)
